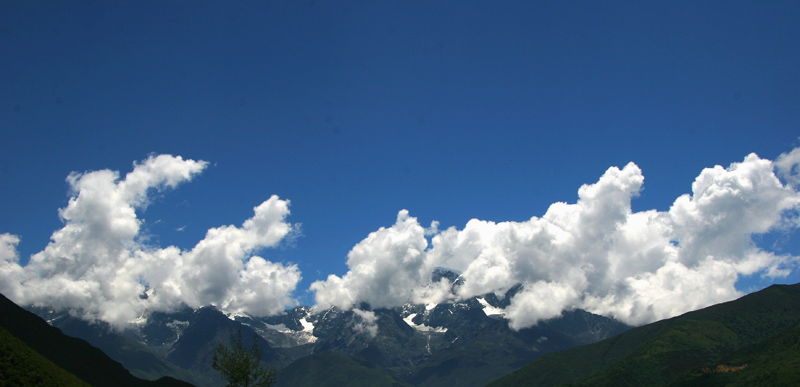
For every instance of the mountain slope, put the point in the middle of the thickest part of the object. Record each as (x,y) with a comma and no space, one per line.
(134,356)
(774,362)
(207,327)
(73,355)
(656,354)
(462,343)
(178,344)
(330,369)
(484,350)
(22,366)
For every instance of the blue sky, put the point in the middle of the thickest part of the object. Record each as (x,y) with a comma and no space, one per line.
(354,111)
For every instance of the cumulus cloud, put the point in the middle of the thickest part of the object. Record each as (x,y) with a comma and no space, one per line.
(97,266)
(538,301)
(9,265)
(384,268)
(595,254)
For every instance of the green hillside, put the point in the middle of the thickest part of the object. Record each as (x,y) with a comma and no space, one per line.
(330,369)
(775,362)
(657,354)
(22,366)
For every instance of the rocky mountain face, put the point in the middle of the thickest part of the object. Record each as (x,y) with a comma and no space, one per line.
(465,343)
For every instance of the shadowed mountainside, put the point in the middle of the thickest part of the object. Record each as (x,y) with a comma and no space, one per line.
(659,353)
(22,366)
(76,356)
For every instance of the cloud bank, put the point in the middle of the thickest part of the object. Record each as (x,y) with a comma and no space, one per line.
(596,254)
(97,266)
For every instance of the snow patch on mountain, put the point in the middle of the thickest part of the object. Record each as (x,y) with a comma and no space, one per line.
(422,327)
(489,309)
(235,315)
(307,334)
(308,326)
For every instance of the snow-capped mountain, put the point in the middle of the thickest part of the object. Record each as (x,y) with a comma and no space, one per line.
(464,343)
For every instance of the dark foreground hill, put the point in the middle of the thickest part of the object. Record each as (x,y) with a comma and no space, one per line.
(22,366)
(76,356)
(726,343)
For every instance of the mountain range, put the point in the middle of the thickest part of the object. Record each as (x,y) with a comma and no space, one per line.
(466,343)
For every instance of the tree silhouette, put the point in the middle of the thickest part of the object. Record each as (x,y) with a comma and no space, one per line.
(242,367)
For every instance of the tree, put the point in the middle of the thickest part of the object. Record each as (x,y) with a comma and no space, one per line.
(242,367)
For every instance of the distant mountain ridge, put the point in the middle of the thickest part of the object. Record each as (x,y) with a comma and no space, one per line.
(464,343)
(752,340)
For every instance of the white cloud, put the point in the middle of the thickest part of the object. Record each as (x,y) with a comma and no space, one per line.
(540,301)
(385,268)
(433,293)
(595,254)
(433,229)
(97,266)
(214,268)
(788,166)
(670,290)
(368,324)
(727,207)
(9,265)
